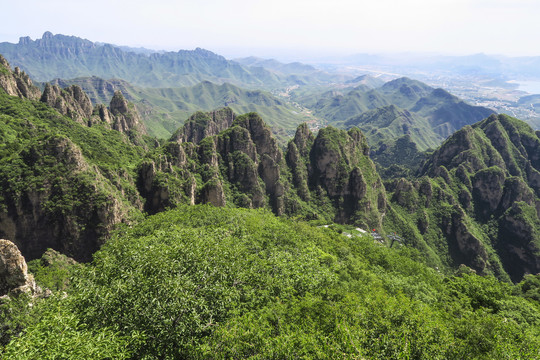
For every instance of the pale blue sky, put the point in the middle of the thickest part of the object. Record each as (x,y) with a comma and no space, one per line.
(241,27)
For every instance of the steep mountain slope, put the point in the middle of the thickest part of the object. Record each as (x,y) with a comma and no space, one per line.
(480,192)
(294,72)
(387,123)
(272,64)
(64,184)
(165,109)
(71,57)
(66,181)
(444,112)
(343,106)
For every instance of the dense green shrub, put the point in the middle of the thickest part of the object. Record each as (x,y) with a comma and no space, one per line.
(200,282)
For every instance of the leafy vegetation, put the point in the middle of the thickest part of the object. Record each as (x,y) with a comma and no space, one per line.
(204,282)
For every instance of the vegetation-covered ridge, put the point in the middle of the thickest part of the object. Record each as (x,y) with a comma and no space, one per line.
(477,200)
(227,160)
(403,115)
(201,282)
(293,276)
(62,175)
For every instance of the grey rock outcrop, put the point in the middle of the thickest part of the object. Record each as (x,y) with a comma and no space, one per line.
(14,277)
(71,101)
(124,116)
(201,125)
(17,82)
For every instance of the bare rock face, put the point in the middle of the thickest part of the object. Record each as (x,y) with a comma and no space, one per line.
(71,101)
(212,193)
(124,115)
(465,247)
(14,277)
(519,227)
(339,165)
(488,189)
(101,115)
(16,82)
(201,125)
(36,219)
(298,160)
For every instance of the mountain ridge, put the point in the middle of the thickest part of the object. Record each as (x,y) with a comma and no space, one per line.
(71,57)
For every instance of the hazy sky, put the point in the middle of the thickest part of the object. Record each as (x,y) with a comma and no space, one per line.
(299,27)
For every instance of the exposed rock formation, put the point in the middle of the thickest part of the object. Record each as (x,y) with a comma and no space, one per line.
(16,82)
(124,115)
(486,176)
(67,212)
(71,101)
(339,165)
(14,277)
(201,125)
(244,165)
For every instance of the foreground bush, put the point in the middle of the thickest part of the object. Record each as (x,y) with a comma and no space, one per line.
(203,282)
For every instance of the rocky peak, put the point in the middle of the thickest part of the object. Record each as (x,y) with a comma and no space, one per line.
(14,277)
(261,135)
(71,101)
(339,164)
(124,115)
(25,40)
(118,104)
(16,82)
(201,125)
(303,139)
(4,62)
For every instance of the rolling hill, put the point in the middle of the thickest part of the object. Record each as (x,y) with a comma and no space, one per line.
(165,109)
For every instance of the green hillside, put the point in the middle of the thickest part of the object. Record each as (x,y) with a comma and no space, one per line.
(400,109)
(165,109)
(63,185)
(202,282)
(384,124)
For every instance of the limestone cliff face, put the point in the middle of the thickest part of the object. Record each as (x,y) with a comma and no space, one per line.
(201,125)
(73,210)
(16,82)
(253,153)
(335,164)
(298,160)
(14,277)
(71,101)
(166,180)
(124,117)
(244,157)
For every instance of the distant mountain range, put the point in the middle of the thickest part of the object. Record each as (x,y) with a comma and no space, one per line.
(167,87)
(66,57)
(498,66)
